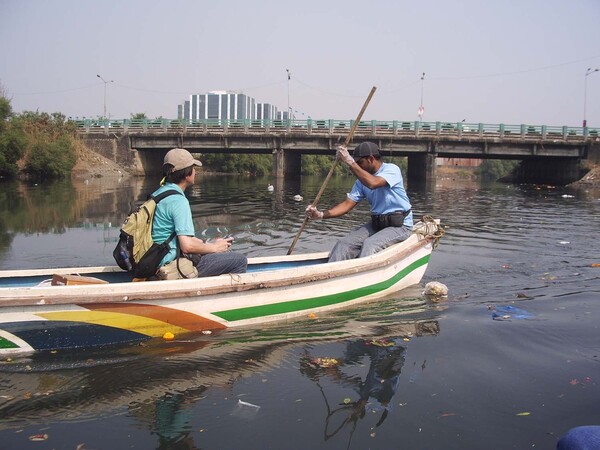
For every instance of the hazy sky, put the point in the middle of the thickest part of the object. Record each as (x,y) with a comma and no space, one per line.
(512,61)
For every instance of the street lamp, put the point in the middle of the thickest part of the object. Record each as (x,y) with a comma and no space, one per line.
(288,109)
(421,108)
(105,83)
(589,71)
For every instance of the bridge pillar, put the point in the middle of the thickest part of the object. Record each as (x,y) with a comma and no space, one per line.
(421,168)
(594,153)
(286,162)
(557,171)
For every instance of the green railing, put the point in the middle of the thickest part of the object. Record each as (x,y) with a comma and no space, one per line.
(334,126)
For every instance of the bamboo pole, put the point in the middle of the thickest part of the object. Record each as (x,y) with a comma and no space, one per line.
(346,143)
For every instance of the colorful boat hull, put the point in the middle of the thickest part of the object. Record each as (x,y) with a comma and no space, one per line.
(44,317)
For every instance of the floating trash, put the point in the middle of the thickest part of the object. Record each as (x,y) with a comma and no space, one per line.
(382,342)
(38,437)
(436,289)
(508,312)
(324,362)
(245,410)
(298,198)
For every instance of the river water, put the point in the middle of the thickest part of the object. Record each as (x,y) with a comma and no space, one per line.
(511,360)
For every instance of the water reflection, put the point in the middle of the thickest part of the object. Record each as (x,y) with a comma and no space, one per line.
(501,241)
(371,392)
(171,417)
(163,385)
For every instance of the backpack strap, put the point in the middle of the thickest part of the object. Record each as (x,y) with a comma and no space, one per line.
(159,197)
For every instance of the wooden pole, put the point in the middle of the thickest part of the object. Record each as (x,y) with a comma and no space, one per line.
(346,143)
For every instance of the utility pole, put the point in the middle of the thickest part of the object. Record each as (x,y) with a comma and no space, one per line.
(289,111)
(105,83)
(421,108)
(589,71)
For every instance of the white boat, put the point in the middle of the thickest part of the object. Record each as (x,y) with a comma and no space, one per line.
(45,310)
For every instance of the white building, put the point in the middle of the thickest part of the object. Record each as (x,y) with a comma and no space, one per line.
(226,105)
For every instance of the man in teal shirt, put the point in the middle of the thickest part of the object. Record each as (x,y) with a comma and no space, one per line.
(173,214)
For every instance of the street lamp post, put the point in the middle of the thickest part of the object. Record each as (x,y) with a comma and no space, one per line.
(421,108)
(289,75)
(105,83)
(589,71)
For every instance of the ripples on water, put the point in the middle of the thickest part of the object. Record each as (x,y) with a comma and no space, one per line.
(461,378)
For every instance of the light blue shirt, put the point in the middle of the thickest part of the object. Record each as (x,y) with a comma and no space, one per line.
(172,213)
(386,199)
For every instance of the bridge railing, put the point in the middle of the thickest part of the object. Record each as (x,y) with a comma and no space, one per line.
(374,128)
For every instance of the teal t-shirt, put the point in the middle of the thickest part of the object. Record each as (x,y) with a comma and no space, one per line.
(172,213)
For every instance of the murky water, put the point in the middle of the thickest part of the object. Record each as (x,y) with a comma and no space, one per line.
(510,360)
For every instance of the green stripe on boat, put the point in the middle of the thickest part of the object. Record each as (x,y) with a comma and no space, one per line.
(5,343)
(252,312)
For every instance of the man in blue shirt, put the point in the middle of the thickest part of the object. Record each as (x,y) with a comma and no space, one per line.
(383,187)
(173,213)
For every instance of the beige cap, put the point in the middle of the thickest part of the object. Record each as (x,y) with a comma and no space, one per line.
(180,158)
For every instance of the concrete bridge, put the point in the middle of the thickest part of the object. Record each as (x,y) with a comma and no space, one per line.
(549,154)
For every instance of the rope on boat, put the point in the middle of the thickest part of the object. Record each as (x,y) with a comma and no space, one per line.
(431,230)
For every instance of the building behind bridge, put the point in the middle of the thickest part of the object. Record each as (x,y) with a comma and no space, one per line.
(227,105)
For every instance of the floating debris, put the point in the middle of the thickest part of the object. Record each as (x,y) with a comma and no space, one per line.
(383,342)
(38,437)
(245,410)
(508,312)
(324,363)
(298,198)
(436,289)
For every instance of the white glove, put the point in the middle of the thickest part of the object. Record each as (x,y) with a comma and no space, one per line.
(313,213)
(342,155)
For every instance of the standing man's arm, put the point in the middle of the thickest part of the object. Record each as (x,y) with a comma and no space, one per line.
(338,210)
(367,179)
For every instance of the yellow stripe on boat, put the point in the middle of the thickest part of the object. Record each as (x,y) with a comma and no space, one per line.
(143,325)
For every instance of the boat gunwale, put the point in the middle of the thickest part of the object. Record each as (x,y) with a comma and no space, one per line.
(116,269)
(222,284)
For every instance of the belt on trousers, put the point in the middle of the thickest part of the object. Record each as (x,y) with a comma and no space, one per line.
(395,219)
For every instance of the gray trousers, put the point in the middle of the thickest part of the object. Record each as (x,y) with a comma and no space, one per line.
(214,264)
(364,241)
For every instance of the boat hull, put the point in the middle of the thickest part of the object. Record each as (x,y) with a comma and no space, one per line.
(49,318)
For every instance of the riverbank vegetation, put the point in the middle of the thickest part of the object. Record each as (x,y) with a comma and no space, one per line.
(494,169)
(35,145)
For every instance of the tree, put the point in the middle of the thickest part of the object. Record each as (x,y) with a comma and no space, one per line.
(12,140)
(53,159)
(494,169)
(50,152)
(138,116)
